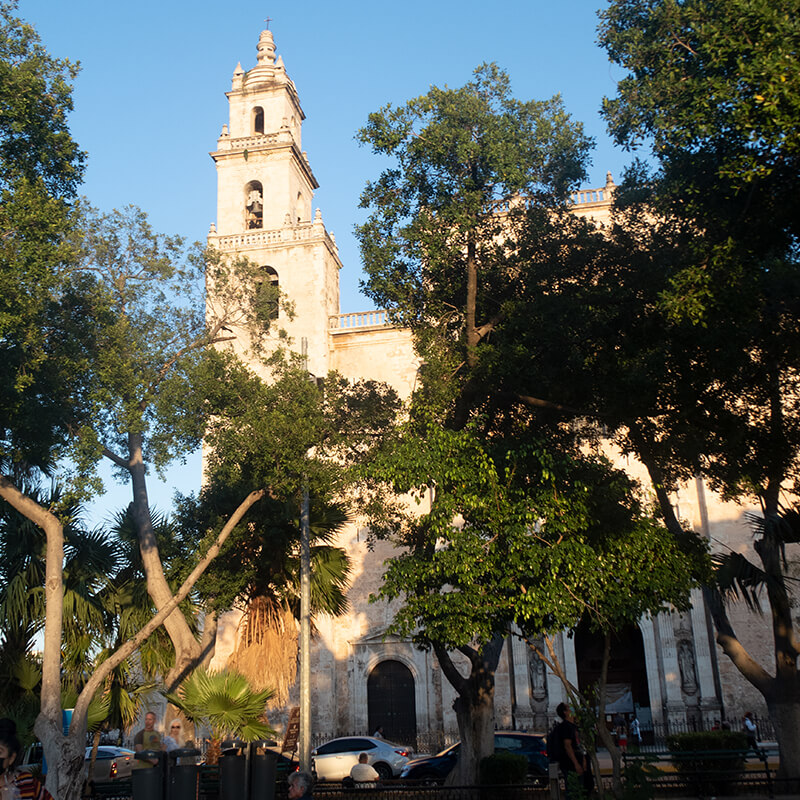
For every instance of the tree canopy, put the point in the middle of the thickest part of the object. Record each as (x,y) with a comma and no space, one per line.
(513,515)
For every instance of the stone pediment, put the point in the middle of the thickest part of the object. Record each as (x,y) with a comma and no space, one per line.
(379,637)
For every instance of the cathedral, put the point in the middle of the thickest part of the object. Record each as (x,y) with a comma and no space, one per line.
(667,670)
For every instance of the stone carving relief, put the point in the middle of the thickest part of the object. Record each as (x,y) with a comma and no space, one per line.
(687,667)
(538,675)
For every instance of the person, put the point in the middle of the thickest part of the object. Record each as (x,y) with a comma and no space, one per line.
(378,732)
(622,737)
(175,738)
(363,773)
(300,786)
(15,783)
(751,731)
(147,739)
(572,760)
(636,732)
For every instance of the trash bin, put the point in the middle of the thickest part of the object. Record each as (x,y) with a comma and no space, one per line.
(263,769)
(233,771)
(148,779)
(184,774)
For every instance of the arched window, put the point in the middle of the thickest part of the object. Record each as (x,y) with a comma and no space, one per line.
(391,702)
(258,120)
(254,205)
(268,294)
(300,208)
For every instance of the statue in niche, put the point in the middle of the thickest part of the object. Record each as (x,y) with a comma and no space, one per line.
(255,209)
(687,667)
(538,675)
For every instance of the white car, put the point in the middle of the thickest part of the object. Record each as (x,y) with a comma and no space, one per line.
(333,760)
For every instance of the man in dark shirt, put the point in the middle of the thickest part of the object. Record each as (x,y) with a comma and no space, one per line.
(572,760)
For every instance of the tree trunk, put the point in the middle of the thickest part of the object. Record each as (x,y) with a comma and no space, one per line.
(782,692)
(93,760)
(188,654)
(474,707)
(602,730)
(784,711)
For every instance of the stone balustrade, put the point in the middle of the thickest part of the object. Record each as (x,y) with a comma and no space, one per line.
(304,231)
(245,142)
(586,196)
(359,319)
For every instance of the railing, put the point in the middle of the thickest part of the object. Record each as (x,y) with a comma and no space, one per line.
(259,238)
(242,142)
(654,735)
(586,196)
(358,319)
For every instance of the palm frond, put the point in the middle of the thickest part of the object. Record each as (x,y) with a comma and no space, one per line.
(737,577)
(225,702)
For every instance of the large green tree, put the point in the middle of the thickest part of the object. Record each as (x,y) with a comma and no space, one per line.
(712,92)
(509,502)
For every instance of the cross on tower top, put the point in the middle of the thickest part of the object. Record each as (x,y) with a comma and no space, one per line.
(267,21)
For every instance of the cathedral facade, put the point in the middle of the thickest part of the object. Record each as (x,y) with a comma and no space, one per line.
(666,670)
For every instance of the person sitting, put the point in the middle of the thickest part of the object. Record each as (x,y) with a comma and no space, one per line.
(363,773)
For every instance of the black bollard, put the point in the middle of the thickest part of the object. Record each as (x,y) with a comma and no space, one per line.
(184,774)
(147,778)
(263,769)
(233,771)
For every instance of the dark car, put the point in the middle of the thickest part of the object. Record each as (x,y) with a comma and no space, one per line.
(434,769)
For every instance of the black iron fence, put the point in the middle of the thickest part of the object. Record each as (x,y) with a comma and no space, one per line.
(655,734)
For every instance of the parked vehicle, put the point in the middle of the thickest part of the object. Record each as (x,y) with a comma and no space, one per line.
(112,763)
(333,760)
(434,769)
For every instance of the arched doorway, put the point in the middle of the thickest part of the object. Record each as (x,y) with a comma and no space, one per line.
(628,692)
(391,702)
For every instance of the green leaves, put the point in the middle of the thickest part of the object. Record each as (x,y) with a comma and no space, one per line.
(461,156)
(225,702)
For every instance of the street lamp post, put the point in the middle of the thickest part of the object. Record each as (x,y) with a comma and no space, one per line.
(305,634)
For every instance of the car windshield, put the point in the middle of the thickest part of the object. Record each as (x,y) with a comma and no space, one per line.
(451,749)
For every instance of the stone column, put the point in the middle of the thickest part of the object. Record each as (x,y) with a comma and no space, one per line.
(518,673)
(570,662)
(676,708)
(653,673)
(709,702)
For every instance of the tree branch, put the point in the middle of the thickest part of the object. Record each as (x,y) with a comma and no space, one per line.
(538,403)
(120,462)
(105,669)
(733,648)
(457,680)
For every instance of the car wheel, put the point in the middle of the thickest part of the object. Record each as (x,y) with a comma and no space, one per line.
(430,779)
(384,770)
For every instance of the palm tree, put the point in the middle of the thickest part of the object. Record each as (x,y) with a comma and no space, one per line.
(267,642)
(89,559)
(225,703)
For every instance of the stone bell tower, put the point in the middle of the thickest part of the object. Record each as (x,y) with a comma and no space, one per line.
(265,189)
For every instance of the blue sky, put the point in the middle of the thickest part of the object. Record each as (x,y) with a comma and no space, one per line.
(150,98)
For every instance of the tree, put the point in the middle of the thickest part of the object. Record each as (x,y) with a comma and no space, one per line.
(544,541)
(109,351)
(517,512)
(439,249)
(225,703)
(712,89)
